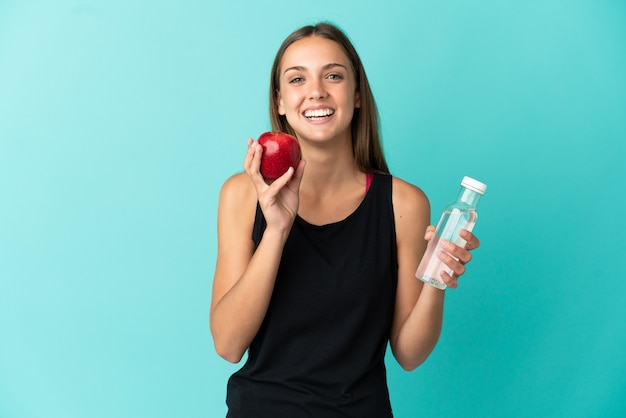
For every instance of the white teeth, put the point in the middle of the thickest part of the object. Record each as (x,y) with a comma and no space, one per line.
(318,113)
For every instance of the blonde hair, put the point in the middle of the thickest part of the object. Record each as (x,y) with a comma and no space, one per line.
(366,138)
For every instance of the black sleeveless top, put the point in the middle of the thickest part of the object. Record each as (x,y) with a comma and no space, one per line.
(320,349)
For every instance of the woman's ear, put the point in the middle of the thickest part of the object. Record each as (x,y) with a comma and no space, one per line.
(357,100)
(279,103)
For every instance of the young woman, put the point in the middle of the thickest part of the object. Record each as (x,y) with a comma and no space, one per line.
(315,272)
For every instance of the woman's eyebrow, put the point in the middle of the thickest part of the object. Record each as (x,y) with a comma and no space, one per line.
(296,68)
(325,67)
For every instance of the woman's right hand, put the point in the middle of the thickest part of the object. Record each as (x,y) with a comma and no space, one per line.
(279,200)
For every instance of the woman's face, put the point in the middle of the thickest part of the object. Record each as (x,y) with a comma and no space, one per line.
(317,89)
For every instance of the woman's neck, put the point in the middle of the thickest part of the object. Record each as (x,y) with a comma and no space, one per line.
(324,170)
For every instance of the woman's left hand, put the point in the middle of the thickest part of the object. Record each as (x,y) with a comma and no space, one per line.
(454,256)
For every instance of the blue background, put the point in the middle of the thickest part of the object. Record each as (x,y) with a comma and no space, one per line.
(119,121)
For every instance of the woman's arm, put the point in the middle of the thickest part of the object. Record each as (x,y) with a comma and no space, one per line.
(244,277)
(418,313)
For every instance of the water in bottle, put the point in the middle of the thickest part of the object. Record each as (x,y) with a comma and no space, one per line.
(460,214)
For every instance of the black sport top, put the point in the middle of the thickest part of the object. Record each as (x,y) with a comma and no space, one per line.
(320,349)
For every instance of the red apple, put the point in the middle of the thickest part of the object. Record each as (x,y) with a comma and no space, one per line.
(280,151)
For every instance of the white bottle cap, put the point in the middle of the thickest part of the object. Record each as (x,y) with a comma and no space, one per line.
(474,185)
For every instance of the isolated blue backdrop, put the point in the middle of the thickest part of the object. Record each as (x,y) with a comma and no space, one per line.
(119,121)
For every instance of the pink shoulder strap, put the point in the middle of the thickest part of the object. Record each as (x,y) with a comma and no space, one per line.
(368,181)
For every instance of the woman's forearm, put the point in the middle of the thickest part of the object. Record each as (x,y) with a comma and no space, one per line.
(421,330)
(238,315)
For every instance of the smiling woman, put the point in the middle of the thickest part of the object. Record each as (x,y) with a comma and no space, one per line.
(327,280)
(365,131)
(317,90)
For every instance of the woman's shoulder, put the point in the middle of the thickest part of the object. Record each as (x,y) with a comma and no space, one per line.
(408,195)
(238,183)
(411,207)
(238,192)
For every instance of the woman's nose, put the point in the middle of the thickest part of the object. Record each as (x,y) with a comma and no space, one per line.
(316,90)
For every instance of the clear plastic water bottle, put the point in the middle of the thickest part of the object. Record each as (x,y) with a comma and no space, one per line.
(460,214)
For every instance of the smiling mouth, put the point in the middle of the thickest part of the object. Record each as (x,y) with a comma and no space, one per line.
(318,114)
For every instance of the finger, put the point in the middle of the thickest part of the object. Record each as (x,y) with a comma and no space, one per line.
(463,255)
(297,177)
(472,242)
(430,233)
(252,165)
(457,267)
(256,158)
(450,281)
(247,162)
(292,178)
(280,182)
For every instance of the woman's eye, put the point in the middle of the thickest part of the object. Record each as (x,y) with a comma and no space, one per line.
(296,80)
(335,76)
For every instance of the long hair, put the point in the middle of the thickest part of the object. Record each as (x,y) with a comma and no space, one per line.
(366,138)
